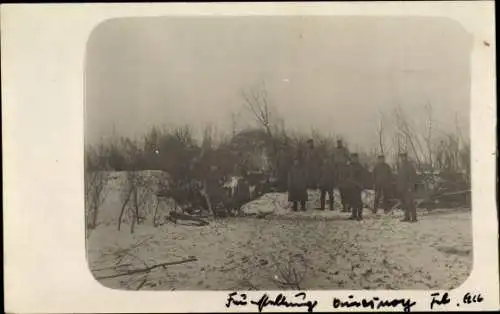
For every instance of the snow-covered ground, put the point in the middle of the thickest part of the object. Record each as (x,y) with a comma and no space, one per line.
(322,247)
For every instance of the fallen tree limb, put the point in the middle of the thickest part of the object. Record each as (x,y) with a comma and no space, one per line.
(126,251)
(112,267)
(147,269)
(144,280)
(450,193)
(174,216)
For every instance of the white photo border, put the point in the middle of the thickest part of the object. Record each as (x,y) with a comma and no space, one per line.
(43,53)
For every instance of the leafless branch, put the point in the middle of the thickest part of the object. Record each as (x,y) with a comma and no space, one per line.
(96,180)
(147,269)
(404,128)
(289,274)
(256,102)
(380,132)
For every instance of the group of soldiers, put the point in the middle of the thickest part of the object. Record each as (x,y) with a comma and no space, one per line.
(345,172)
(311,170)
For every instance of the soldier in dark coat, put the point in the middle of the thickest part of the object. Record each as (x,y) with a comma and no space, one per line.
(297,185)
(382,179)
(313,165)
(406,181)
(214,189)
(241,194)
(327,183)
(354,186)
(341,158)
(284,163)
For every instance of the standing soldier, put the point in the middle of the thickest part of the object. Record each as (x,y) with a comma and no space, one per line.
(297,185)
(284,162)
(406,184)
(354,186)
(341,158)
(382,178)
(327,183)
(313,164)
(214,190)
(242,192)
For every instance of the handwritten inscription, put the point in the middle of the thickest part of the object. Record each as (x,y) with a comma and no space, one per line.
(444,299)
(374,303)
(439,300)
(280,300)
(472,298)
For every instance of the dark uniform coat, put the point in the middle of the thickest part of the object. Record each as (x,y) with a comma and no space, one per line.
(283,168)
(341,155)
(241,193)
(214,189)
(382,175)
(355,183)
(313,164)
(328,176)
(382,179)
(406,178)
(297,184)
(406,186)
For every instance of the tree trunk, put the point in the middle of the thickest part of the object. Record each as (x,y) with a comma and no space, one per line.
(135,211)
(156,212)
(94,216)
(124,205)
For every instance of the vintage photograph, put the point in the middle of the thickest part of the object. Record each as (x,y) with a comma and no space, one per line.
(278,153)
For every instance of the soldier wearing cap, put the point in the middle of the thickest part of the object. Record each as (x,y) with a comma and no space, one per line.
(406,180)
(382,178)
(341,159)
(327,183)
(354,186)
(214,189)
(297,184)
(313,165)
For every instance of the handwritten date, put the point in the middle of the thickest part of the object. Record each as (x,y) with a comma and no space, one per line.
(468,298)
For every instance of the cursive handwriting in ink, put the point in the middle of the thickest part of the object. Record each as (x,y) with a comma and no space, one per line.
(443,300)
(374,303)
(476,298)
(231,300)
(281,300)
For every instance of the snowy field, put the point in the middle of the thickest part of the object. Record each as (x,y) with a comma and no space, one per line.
(280,249)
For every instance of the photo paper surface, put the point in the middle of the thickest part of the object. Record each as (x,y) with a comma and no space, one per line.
(251,157)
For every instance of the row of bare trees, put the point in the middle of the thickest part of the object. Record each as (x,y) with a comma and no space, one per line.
(431,148)
(176,151)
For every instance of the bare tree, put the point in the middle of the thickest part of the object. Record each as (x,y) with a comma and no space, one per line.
(136,190)
(411,139)
(380,133)
(96,179)
(234,123)
(257,103)
(429,137)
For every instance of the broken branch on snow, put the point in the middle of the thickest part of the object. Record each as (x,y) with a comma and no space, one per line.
(147,269)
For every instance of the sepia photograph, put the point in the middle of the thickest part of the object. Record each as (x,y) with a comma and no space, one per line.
(278,153)
(255,157)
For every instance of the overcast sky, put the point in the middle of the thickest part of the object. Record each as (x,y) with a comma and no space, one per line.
(333,74)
